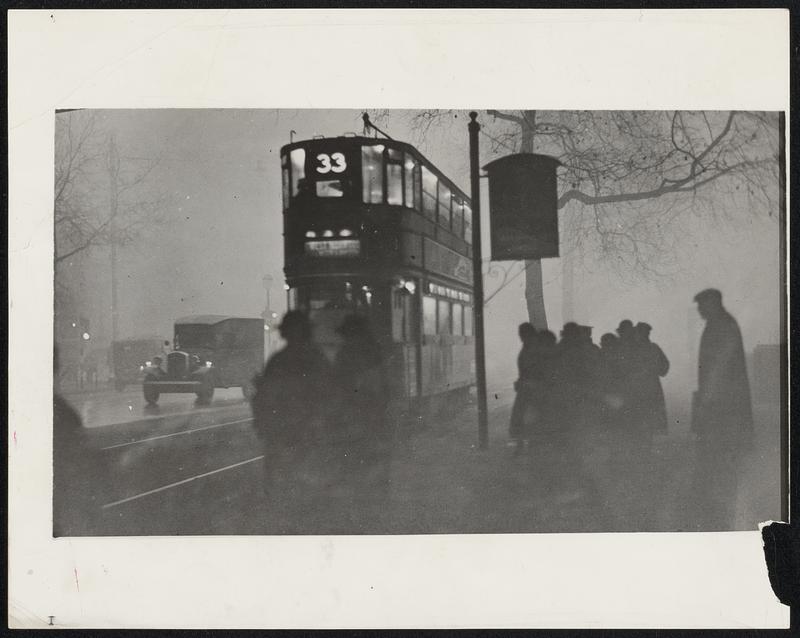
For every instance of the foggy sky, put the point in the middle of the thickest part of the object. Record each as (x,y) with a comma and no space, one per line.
(221,171)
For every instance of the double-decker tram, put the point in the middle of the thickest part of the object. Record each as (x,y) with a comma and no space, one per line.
(372,227)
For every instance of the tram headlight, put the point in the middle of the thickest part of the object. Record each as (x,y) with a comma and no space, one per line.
(310,234)
(345,232)
(328,233)
(209,364)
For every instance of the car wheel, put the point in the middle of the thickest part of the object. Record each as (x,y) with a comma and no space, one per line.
(151,394)
(205,395)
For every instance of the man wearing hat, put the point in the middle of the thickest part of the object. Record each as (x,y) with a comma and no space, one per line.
(722,415)
(289,405)
(362,431)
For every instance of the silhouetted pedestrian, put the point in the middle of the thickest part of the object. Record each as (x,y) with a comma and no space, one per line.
(652,364)
(362,432)
(591,396)
(574,376)
(610,380)
(290,405)
(523,410)
(631,436)
(548,367)
(627,369)
(78,471)
(722,416)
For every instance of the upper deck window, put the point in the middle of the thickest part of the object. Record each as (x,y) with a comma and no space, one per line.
(458,217)
(429,182)
(444,205)
(285,181)
(298,159)
(330,188)
(467,223)
(394,177)
(412,185)
(372,173)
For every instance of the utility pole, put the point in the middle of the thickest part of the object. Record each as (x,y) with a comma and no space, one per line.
(477,281)
(786,480)
(113,176)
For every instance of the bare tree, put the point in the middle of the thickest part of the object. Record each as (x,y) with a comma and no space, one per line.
(87,163)
(627,177)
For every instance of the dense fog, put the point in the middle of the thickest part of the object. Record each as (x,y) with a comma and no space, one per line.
(219,248)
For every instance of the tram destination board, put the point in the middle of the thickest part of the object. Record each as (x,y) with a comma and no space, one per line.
(334,248)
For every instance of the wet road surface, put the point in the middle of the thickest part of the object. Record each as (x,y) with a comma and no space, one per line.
(189,470)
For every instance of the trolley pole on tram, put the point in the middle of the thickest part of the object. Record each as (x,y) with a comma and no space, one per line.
(477,280)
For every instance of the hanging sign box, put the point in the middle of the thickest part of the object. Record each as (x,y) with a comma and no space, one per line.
(523,207)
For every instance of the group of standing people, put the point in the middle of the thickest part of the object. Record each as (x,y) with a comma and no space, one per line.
(574,382)
(324,423)
(617,386)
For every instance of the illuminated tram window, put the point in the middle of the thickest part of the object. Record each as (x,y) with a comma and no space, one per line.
(429,182)
(372,173)
(444,205)
(412,182)
(394,184)
(458,217)
(298,157)
(285,182)
(330,188)
(467,223)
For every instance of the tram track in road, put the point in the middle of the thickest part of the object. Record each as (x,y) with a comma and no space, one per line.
(186,479)
(119,434)
(182,482)
(172,434)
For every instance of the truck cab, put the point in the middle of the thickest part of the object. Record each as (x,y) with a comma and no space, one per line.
(209,351)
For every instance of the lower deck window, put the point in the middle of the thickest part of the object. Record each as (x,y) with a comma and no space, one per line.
(443,319)
(467,321)
(429,315)
(458,319)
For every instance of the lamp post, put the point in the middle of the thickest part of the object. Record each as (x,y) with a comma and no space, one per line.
(477,281)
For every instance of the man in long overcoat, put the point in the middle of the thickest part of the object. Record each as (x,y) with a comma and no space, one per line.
(290,405)
(722,415)
(361,428)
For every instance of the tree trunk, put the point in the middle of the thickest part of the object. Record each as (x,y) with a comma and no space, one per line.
(568,287)
(534,288)
(534,294)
